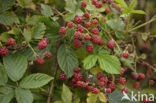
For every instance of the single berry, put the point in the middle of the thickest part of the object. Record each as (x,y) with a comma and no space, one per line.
(77,43)
(136,85)
(122,71)
(40,61)
(90,88)
(113,5)
(78,76)
(102,84)
(94,2)
(134,75)
(141,76)
(151,82)
(97,40)
(42,45)
(86,15)
(87,24)
(126,55)
(95,90)
(103,79)
(80,28)
(62,76)
(110,44)
(4,51)
(146,100)
(104,1)
(108,90)
(111,86)
(110,1)
(95,31)
(78,19)
(47,55)
(79,83)
(99,75)
(107,10)
(89,48)
(84,85)
(10,41)
(62,31)
(83,4)
(122,80)
(70,24)
(45,40)
(94,21)
(87,37)
(78,35)
(98,5)
(124,90)
(77,70)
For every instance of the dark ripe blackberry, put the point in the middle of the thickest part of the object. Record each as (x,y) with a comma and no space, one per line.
(99,28)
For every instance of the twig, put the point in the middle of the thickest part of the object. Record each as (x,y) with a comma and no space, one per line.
(55,72)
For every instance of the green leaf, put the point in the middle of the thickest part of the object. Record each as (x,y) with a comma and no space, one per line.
(26,3)
(8,18)
(70,5)
(15,65)
(96,70)
(90,61)
(122,3)
(69,16)
(23,96)
(4,36)
(58,102)
(92,98)
(38,31)
(79,12)
(27,35)
(133,4)
(138,12)
(46,10)
(6,95)
(66,94)
(109,63)
(67,60)
(3,75)
(6,4)
(35,80)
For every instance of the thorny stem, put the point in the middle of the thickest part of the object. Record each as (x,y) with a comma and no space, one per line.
(55,72)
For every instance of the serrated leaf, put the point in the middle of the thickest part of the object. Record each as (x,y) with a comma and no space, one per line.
(109,63)
(15,65)
(26,3)
(138,12)
(8,18)
(7,96)
(133,4)
(4,36)
(46,10)
(6,4)
(122,3)
(35,80)
(38,31)
(70,5)
(67,60)
(66,94)
(92,98)
(144,36)
(3,75)
(23,96)
(102,97)
(79,12)
(90,61)
(27,35)
(69,16)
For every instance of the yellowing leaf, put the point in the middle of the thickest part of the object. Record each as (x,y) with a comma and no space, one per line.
(66,94)
(102,97)
(92,98)
(95,70)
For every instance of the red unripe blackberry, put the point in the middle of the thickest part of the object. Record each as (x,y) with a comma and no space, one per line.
(102,84)
(62,76)
(110,44)
(107,10)
(87,24)
(40,61)
(77,70)
(77,43)
(78,35)
(95,31)
(84,85)
(74,80)
(42,45)
(99,5)
(108,90)
(94,2)
(104,1)
(90,88)
(122,71)
(45,40)
(83,4)
(87,80)
(99,75)
(136,85)
(97,40)
(78,76)
(141,76)
(47,55)
(78,19)
(146,100)
(62,31)
(103,79)
(110,1)
(70,24)
(79,83)
(86,14)
(80,28)
(87,37)
(124,90)
(111,86)
(113,5)
(126,55)
(4,51)
(94,21)
(89,48)
(134,75)
(95,91)
(10,41)
(122,80)
(151,82)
